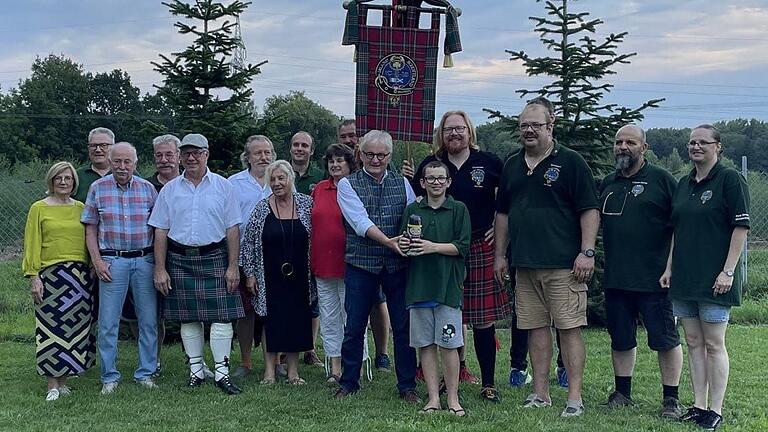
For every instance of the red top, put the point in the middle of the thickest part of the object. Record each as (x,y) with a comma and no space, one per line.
(328,235)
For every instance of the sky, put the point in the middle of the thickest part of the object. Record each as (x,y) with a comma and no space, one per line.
(708,59)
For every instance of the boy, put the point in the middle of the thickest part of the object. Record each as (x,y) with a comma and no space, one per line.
(435,277)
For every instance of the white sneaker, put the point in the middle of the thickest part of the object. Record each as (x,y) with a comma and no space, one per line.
(109,388)
(65,390)
(148,383)
(52,395)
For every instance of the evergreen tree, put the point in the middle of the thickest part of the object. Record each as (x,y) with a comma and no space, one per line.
(585,122)
(205,91)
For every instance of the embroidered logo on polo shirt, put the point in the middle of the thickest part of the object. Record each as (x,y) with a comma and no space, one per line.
(449,332)
(478,175)
(706,196)
(637,189)
(551,175)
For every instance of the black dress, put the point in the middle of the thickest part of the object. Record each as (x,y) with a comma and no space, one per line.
(288,326)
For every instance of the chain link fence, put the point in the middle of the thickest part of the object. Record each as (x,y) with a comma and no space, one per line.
(756,266)
(17,193)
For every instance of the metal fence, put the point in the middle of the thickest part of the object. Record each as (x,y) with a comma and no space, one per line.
(17,193)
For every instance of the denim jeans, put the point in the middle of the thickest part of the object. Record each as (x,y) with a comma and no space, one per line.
(135,274)
(362,293)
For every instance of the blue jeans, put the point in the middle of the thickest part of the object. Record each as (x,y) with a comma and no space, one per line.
(362,292)
(136,273)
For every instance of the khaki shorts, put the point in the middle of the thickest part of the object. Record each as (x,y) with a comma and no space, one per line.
(547,296)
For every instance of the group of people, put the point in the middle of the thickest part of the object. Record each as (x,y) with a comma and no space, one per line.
(284,248)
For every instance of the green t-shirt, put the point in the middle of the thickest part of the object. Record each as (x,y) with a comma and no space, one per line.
(307,182)
(85,176)
(544,208)
(703,216)
(436,277)
(635,214)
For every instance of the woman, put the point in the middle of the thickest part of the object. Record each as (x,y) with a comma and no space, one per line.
(327,253)
(56,261)
(710,217)
(275,260)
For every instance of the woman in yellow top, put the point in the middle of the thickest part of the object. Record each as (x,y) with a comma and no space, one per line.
(56,261)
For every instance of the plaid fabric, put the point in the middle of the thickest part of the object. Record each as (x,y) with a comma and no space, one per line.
(199,291)
(121,214)
(485,300)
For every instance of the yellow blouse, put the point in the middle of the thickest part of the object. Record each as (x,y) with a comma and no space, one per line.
(53,235)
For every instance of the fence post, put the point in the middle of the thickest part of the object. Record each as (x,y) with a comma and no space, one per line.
(744,250)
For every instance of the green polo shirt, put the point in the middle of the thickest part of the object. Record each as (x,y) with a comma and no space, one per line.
(703,216)
(85,177)
(544,208)
(635,212)
(436,277)
(307,182)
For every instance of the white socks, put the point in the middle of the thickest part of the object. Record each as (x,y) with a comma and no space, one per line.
(221,346)
(192,338)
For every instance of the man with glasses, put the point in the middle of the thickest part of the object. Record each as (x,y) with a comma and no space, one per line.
(197,244)
(372,201)
(636,203)
(100,140)
(475,177)
(547,212)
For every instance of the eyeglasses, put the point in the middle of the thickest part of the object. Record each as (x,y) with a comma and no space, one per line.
(700,143)
(436,180)
(522,127)
(65,179)
(94,146)
(379,156)
(457,129)
(194,153)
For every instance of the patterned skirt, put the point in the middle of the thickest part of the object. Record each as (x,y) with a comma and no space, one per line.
(199,290)
(485,300)
(65,330)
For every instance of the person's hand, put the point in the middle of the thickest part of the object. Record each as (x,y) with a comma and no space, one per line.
(583,267)
(232,276)
(489,236)
(37,289)
(393,244)
(666,279)
(723,284)
(421,247)
(102,270)
(404,244)
(406,170)
(250,284)
(500,269)
(162,281)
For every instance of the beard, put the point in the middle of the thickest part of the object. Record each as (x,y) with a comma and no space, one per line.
(624,161)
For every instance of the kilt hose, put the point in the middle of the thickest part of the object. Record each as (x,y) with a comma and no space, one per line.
(485,300)
(199,290)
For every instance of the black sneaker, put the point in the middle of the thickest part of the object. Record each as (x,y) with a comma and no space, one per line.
(195,381)
(692,415)
(158,372)
(227,387)
(382,363)
(710,420)
(490,394)
(671,408)
(618,400)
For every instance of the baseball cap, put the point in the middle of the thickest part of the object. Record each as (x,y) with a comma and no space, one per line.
(194,140)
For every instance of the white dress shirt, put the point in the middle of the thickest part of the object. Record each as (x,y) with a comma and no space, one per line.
(353,209)
(249,192)
(196,216)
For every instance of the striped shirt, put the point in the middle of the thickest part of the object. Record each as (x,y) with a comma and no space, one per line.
(121,212)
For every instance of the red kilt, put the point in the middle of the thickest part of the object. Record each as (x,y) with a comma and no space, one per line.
(485,300)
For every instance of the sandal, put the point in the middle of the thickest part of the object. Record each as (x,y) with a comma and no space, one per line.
(427,410)
(333,379)
(295,381)
(267,381)
(457,412)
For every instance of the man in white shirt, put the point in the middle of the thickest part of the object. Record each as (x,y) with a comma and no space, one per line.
(197,242)
(250,187)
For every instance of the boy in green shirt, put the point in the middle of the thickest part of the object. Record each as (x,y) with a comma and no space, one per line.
(435,282)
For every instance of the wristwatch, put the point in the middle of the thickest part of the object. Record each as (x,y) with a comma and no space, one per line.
(590,253)
(728,273)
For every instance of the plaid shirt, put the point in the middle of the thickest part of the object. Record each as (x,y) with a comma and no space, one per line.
(121,213)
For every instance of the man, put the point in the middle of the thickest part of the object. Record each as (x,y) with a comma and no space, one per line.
(119,242)
(250,187)
(475,178)
(636,203)
(100,140)
(379,315)
(197,241)
(547,210)
(307,174)
(372,201)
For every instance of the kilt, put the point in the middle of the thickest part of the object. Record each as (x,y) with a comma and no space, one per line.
(485,300)
(199,290)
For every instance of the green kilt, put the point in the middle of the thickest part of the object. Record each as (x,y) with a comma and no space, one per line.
(199,289)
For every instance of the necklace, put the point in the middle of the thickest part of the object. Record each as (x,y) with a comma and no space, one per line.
(287,267)
(533,166)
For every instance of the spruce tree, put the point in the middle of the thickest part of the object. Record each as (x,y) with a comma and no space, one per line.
(206,92)
(579,67)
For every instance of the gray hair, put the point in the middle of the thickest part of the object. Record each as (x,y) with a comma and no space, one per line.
(376,136)
(101,130)
(123,143)
(247,151)
(283,165)
(162,139)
